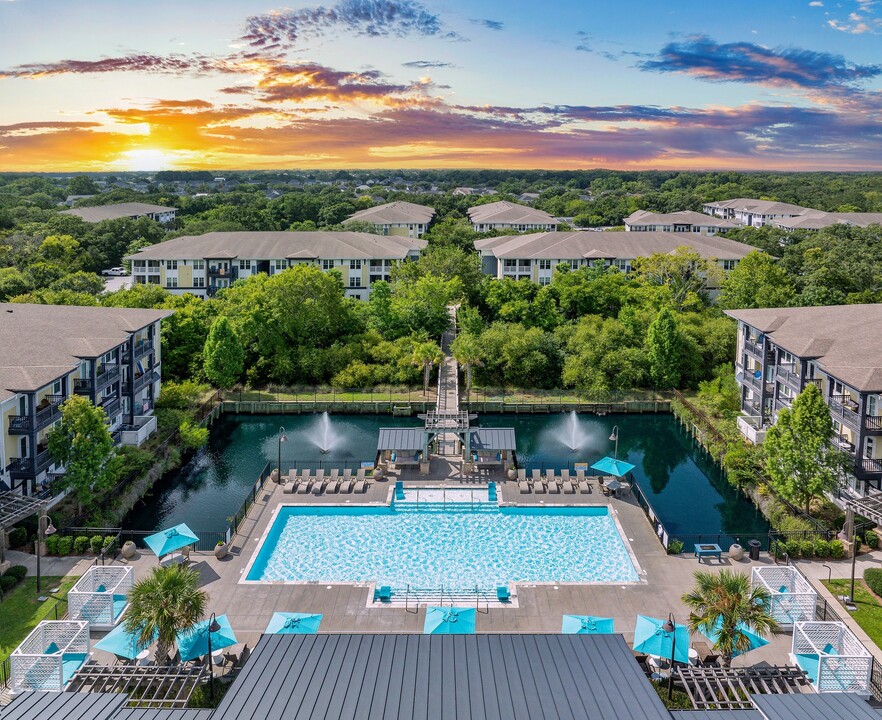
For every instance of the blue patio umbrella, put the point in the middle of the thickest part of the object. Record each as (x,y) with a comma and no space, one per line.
(651,638)
(171,539)
(193,643)
(122,643)
(449,621)
(611,466)
(587,625)
(756,641)
(285,623)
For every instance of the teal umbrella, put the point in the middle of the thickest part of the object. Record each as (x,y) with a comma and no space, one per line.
(611,466)
(285,623)
(650,638)
(449,621)
(586,625)
(122,643)
(167,541)
(756,641)
(193,643)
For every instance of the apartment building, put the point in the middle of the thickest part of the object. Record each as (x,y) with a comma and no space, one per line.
(397,218)
(204,264)
(536,257)
(818,220)
(48,353)
(839,349)
(510,217)
(753,213)
(684,221)
(132,210)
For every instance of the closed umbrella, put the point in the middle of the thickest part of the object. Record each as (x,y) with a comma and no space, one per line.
(586,625)
(650,638)
(449,621)
(171,539)
(285,623)
(756,641)
(193,642)
(122,643)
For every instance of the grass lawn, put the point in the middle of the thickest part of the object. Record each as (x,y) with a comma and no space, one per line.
(21,612)
(869,612)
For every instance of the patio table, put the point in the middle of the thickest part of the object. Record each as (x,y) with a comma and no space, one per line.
(708,550)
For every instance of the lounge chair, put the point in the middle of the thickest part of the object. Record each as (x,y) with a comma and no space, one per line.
(305,482)
(318,487)
(346,483)
(566,483)
(290,487)
(524,486)
(522,475)
(580,475)
(333,482)
(360,481)
(551,482)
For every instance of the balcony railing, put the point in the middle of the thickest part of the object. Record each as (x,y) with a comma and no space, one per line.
(109,373)
(873,422)
(139,383)
(753,348)
(869,465)
(29,466)
(45,416)
(111,405)
(141,349)
(789,375)
(844,408)
(83,386)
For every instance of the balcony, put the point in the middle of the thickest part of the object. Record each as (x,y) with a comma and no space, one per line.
(844,408)
(788,374)
(753,348)
(869,466)
(751,428)
(137,433)
(108,373)
(873,423)
(29,467)
(216,271)
(111,405)
(753,381)
(83,386)
(140,382)
(141,349)
(46,415)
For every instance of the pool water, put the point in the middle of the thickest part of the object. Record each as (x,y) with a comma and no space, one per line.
(455,542)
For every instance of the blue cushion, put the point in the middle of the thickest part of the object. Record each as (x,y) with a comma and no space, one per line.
(52,648)
(783,589)
(829,649)
(101,588)
(502,592)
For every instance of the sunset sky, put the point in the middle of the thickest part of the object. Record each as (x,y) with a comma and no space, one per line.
(692,84)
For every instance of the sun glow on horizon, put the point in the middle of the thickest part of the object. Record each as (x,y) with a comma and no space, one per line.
(146,160)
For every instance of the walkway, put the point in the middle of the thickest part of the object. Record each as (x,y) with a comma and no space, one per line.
(448,386)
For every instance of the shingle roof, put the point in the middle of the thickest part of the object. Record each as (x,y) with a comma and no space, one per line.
(112,212)
(818,220)
(40,343)
(398,212)
(509,213)
(761,207)
(843,339)
(280,244)
(613,245)
(644,217)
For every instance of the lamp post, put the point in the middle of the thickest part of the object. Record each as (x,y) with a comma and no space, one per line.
(282,438)
(41,533)
(615,436)
(213,627)
(671,627)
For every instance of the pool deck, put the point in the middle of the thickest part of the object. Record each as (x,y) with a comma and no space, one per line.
(539,608)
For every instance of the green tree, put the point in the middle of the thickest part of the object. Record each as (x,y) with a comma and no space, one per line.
(664,349)
(80,282)
(82,185)
(81,442)
(223,354)
(426,355)
(12,282)
(725,602)
(684,272)
(163,604)
(758,281)
(799,459)
(467,351)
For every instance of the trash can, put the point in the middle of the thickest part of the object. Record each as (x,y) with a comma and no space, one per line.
(755,547)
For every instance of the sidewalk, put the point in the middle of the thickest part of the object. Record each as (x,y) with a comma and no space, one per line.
(50,566)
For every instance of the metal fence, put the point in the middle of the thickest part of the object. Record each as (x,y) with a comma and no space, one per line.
(328,394)
(502,399)
(250,499)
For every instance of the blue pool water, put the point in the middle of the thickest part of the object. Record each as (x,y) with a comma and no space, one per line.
(457,544)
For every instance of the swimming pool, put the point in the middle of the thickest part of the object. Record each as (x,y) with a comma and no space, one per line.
(456,543)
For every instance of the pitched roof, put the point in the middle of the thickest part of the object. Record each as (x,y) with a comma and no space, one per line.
(280,244)
(581,244)
(64,706)
(839,338)
(509,213)
(686,217)
(818,220)
(815,706)
(760,207)
(41,343)
(119,210)
(398,212)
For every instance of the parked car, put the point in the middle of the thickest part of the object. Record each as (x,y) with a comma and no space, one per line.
(115,271)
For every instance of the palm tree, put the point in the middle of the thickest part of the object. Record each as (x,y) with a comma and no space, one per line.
(467,351)
(163,604)
(426,354)
(728,599)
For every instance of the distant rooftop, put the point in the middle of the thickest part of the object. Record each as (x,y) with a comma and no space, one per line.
(509,213)
(682,217)
(395,213)
(114,212)
(760,207)
(818,220)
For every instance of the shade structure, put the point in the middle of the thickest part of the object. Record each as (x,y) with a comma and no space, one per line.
(122,643)
(171,539)
(611,466)
(449,621)
(650,638)
(286,623)
(756,641)
(193,643)
(586,625)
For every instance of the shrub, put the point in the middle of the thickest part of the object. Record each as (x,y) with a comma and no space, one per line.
(807,548)
(192,435)
(794,548)
(7,583)
(65,545)
(18,571)
(873,578)
(872,539)
(109,544)
(18,537)
(180,396)
(95,543)
(81,545)
(675,547)
(837,549)
(822,548)
(52,544)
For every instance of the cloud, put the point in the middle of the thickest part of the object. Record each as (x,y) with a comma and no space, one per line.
(702,57)
(373,18)
(427,64)
(862,20)
(141,62)
(816,3)
(489,24)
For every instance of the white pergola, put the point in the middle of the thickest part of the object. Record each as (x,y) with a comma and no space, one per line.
(15,507)
(793,598)
(100,597)
(832,656)
(50,655)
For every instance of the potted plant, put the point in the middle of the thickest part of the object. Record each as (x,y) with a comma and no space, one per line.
(128,549)
(512,473)
(220,550)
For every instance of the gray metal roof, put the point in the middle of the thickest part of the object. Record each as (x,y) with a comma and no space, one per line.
(454,677)
(400,439)
(163,714)
(64,706)
(716,715)
(815,706)
(493,439)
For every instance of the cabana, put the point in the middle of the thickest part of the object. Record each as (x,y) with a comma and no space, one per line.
(491,447)
(402,447)
(50,655)
(168,545)
(100,597)
(793,597)
(832,656)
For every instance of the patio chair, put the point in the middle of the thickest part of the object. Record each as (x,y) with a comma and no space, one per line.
(333,482)
(551,482)
(305,482)
(624,489)
(318,486)
(522,474)
(384,593)
(524,486)
(290,486)
(503,594)
(347,482)
(536,481)
(361,482)
(566,483)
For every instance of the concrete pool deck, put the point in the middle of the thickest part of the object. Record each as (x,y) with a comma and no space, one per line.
(539,608)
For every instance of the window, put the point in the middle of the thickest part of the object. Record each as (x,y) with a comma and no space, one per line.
(869,447)
(729,264)
(280,264)
(171,282)
(544,280)
(198,282)
(199,264)
(56,387)
(545,264)
(623,265)
(355,282)
(355,264)
(171,264)
(327,264)
(510,263)
(574,264)
(244,264)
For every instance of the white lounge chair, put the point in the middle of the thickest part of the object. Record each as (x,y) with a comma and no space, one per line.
(346,483)
(538,485)
(333,482)
(566,483)
(290,487)
(305,482)
(524,486)
(522,475)
(360,482)
(318,487)
(551,482)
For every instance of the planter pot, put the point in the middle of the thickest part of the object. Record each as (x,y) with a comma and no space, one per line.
(512,474)
(128,549)
(220,551)
(736,552)
(379,472)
